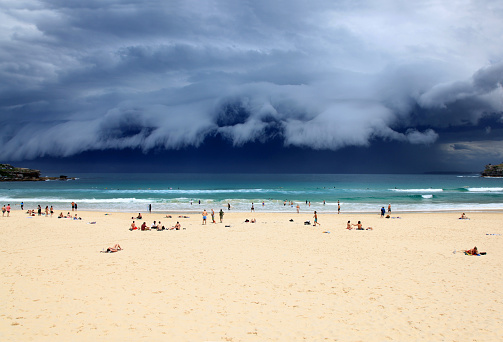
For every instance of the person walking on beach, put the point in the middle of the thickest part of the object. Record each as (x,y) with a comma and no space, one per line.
(52,210)
(298,208)
(150,208)
(338,207)
(3,210)
(316,219)
(212,216)
(8,210)
(204,216)
(221,215)
(389,208)
(22,206)
(73,206)
(228,206)
(383,211)
(252,208)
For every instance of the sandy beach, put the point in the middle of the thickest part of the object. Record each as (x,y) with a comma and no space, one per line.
(273,280)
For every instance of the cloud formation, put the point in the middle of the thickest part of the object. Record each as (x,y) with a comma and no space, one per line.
(115,74)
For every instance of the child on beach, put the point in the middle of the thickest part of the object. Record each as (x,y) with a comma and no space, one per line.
(316,220)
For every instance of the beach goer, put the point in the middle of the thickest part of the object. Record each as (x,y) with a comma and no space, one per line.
(144,226)
(338,207)
(46,211)
(7,208)
(39,210)
(73,206)
(114,249)
(52,210)
(473,251)
(61,215)
(212,216)
(177,226)
(204,216)
(359,226)
(22,206)
(3,210)
(349,225)
(154,225)
(298,208)
(150,208)
(221,213)
(133,226)
(389,208)
(252,208)
(139,217)
(463,217)
(383,211)
(315,219)
(228,206)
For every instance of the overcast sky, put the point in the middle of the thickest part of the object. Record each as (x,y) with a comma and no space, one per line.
(345,86)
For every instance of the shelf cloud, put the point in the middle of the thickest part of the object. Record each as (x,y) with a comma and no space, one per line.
(117,74)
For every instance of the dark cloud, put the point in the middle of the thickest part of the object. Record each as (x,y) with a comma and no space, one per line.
(324,75)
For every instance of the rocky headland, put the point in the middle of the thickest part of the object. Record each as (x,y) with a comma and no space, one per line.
(9,173)
(493,171)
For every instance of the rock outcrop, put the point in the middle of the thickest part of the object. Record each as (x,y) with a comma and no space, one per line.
(493,171)
(9,173)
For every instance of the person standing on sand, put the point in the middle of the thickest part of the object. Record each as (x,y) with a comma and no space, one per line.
(316,220)
(228,206)
(298,208)
(221,215)
(3,210)
(212,216)
(204,216)
(8,210)
(389,208)
(22,206)
(252,208)
(73,206)
(338,207)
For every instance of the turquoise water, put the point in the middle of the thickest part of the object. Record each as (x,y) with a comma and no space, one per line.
(182,192)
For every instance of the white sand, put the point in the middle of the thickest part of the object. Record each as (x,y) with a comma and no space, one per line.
(273,280)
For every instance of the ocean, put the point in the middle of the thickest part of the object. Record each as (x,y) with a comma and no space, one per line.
(269,192)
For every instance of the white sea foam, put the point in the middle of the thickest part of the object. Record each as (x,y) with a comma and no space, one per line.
(485,189)
(417,190)
(427,196)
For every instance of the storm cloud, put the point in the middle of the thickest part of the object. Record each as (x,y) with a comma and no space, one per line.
(117,74)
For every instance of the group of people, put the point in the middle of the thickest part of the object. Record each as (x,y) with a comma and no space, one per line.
(155,226)
(383,211)
(68,215)
(6,209)
(359,226)
(47,211)
(205,216)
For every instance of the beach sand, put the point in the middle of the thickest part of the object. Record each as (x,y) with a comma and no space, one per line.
(273,280)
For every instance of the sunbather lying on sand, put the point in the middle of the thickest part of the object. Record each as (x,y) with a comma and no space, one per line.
(474,251)
(114,249)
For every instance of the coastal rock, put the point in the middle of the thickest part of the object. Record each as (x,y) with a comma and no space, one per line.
(493,171)
(9,173)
